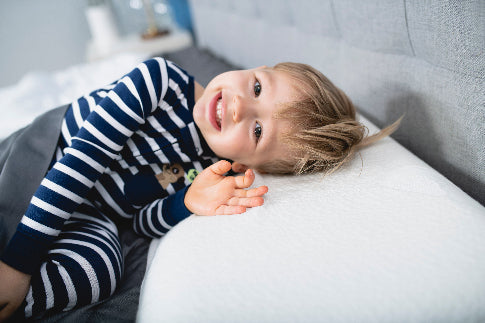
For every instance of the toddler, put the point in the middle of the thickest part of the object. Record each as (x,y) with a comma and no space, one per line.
(157,125)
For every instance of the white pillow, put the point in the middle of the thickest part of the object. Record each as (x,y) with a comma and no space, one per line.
(385,238)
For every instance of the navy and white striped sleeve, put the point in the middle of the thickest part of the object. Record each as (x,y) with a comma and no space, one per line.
(156,218)
(102,136)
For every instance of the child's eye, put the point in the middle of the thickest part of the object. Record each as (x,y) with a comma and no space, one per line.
(257,131)
(257,88)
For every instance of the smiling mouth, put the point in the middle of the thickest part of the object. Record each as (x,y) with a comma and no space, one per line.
(219,112)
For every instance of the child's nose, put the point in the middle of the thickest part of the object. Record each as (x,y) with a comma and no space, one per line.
(236,108)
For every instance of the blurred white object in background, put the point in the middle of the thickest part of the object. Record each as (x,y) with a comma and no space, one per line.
(40,91)
(146,27)
(102,26)
(175,40)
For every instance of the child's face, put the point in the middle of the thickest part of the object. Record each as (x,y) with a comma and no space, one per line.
(235,114)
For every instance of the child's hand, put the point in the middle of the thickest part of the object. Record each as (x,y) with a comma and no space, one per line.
(14,285)
(212,193)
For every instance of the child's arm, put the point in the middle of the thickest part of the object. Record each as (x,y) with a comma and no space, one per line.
(102,136)
(211,193)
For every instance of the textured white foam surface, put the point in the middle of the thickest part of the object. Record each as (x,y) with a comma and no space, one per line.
(385,238)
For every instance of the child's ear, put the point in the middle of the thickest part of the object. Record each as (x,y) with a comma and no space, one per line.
(238,167)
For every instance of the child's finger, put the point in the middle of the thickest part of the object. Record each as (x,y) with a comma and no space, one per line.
(230,209)
(257,191)
(221,167)
(246,201)
(246,180)
(6,311)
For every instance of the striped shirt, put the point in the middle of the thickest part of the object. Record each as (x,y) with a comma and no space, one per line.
(112,144)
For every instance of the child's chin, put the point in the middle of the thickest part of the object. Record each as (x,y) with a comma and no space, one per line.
(197,115)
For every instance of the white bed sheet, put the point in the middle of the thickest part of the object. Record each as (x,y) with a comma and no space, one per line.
(39,91)
(384,239)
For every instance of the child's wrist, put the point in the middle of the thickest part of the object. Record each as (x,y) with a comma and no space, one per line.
(187,200)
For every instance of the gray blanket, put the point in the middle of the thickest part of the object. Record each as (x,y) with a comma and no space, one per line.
(24,158)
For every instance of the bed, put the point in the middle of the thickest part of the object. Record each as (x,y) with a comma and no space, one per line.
(387,238)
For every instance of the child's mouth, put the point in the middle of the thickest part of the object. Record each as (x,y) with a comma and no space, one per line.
(216,111)
(219,112)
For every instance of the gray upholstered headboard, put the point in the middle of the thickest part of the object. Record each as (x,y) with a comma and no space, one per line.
(424,59)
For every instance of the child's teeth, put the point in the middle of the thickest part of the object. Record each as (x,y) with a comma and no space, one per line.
(219,112)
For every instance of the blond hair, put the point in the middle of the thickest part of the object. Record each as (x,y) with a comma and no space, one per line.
(324,132)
